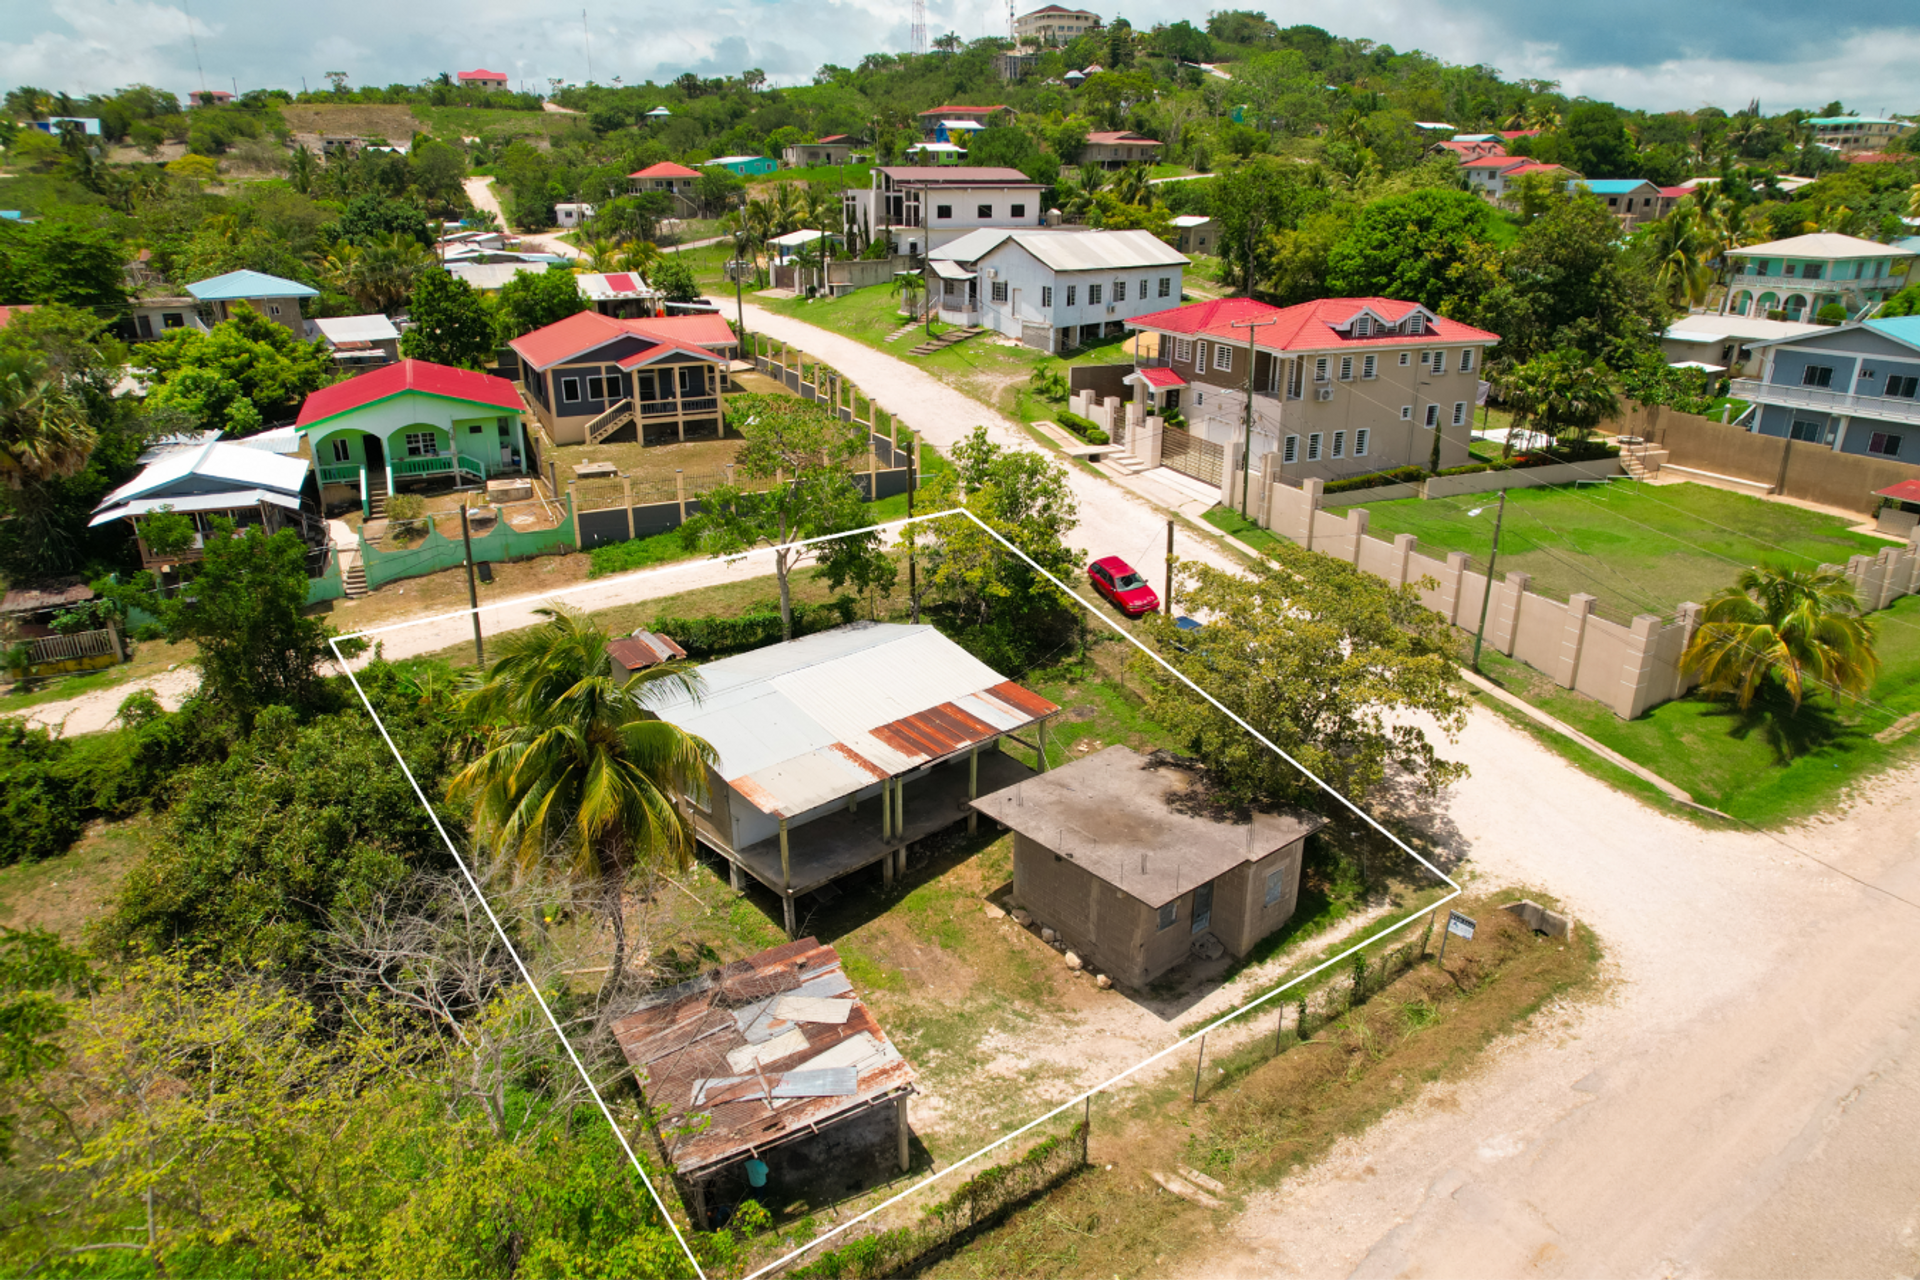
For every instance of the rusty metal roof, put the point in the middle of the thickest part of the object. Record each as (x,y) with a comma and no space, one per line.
(758,1052)
(802,724)
(643,649)
(53,595)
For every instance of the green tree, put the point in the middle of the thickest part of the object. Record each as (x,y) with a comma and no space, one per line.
(1786,627)
(1600,147)
(374,219)
(576,768)
(44,432)
(247,357)
(1252,202)
(1333,665)
(1683,248)
(796,469)
(60,262)
(451,324)
(36,971)
(438,171)
(1410,247)
(1560,393)
(674,279)
(533,300)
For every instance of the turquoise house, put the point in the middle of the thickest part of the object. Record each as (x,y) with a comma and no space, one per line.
(747,166)
(411,425)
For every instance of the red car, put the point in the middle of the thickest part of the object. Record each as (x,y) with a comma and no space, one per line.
(1115,579)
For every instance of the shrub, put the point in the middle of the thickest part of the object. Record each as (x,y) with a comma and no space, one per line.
(405,506)
(636,553)
(714,637)
(1399,475)
(1081,427)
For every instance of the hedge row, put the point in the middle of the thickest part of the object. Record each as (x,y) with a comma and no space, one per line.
(1081,427)
(714,637)
(1399,475)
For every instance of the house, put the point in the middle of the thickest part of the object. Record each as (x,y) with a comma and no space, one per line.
(674,179)
(838,750)
(412,424)
(208,97)
(1630,200)
(491,277)
(643,649)
(276,299)
(591,377)
(772,1070)
(958,132)
(1477,146)
(155,315)
(1854,388)
(1857,133)
(571,213)
(1117,150)
(1011,66)
(1670,198)
(621,294)
(1494,177)
(835,148)
(27,616)
(932,117)
(1052,24)
(1132,879)
(1725,342)
(921,208)
(358,342)
(1054,290)
(1793,279)
(1197,233)
(482,79)
(88,125)
(935,153)
(209,479)
(1341,386)
(746,166)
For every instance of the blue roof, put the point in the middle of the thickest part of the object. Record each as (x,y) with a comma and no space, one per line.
(1900,328)
(1614,186)
(237,286)
(1840,120)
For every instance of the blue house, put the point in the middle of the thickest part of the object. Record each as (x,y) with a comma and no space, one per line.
(746,166)
(1631,200)
(1852,388)
(276,299)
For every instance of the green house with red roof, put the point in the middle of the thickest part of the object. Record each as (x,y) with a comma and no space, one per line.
(411,425)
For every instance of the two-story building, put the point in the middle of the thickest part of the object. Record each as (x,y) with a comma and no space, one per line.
(1054,290)
(1195,233)
(590,377)
(276,299)
(1117,150)
(1793,279)
(1632,201)
(1854,388)
(674,179)
(1051,25)
(482,79)
(1857,133)
(922,208)
(208,479)
(1341,387)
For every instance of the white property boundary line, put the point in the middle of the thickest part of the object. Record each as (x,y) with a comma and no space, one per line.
(1075,1101)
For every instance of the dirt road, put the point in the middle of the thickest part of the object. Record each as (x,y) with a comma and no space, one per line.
(480,192)
(1743,1102)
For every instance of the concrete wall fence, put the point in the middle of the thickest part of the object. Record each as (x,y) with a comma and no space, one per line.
(1802,469)
(1629,667)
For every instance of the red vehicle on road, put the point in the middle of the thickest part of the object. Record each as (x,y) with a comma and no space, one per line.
(1115,579)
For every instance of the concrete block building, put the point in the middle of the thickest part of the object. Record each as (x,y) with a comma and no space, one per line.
(1054,290)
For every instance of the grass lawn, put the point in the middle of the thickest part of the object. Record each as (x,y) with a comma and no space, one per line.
(453,123)
(1638,548)
(67,893)
(840,176)
(1769,767)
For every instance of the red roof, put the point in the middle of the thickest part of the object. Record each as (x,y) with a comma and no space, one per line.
(408,375)
(1903,491)
(8,313)
(832,137)
(1538,166)
(665,169)
(1496,162)
(565,339)
(1511,134)
(1308,326)
(482,75)
(1161,378)
(1676,192)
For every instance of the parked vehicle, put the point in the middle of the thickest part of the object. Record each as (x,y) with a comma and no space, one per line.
(1117,580)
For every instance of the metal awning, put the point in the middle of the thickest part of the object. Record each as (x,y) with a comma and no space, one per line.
(949,270)
(196,502)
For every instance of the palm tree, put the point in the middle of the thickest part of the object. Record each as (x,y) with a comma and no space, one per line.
(1562,391)
(574,766)
(641,256)
(44,432)
(1132,187)
(600,255)
(1789,625)
(1683,252)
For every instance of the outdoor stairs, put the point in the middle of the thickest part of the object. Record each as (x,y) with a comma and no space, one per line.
(903,331)
(1641,461)
(377,494)
(1122,463)
(609,422)
(947,339)
(355,580)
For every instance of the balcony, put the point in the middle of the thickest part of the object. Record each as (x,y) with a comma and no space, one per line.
(1826,400)
(1784,285)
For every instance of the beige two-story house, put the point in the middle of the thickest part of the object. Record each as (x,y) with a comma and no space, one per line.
(1340,387)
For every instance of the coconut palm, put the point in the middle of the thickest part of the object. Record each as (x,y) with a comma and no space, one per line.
(639,255)
(912,288)
(1683,247)
(1790,626)
(1562,392)
(573,766)
(1132,187)
(44,432)
(599,255)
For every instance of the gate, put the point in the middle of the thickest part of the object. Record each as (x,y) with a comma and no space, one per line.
(1191,456)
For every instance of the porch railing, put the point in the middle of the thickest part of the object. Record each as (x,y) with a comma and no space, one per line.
(340,475)
(81,644)
(458,464)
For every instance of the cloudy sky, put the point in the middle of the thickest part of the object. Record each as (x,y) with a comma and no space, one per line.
(1658,54)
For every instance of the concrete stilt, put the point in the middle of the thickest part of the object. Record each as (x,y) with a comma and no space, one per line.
(904,1130)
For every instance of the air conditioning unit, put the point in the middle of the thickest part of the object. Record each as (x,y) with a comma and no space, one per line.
(1325,393)
(993,273)
(1111,308)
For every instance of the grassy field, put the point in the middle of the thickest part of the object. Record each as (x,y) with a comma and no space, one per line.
(838,175)
(478,122)
(1638,548)
(394,122)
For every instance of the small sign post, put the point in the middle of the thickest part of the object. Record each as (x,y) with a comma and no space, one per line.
(1456,923)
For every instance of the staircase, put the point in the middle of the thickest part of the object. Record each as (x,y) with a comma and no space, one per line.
(947,339)
(903,331)
(377,493)
(609,422)
(1123,463)
(1641,460)
(355,580)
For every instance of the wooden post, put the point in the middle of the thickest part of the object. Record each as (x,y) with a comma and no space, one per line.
(573,505)
(886,870)
(113,634)
(473,590)
(1196,1067)
(900,809)
(680,491)
(786,877)
(973,788)
(902,1105)
(886,810)
(626,500)
(735,880)
(1043,746)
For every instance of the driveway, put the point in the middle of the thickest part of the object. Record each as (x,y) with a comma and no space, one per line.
(480,192)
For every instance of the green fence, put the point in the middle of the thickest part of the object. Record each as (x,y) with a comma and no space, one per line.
(437,551)
(328,585)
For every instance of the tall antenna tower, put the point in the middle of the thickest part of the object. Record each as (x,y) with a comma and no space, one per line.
(1010,26)
(918,38)
(194,40)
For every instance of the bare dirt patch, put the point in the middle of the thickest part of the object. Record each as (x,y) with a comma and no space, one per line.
(394,123)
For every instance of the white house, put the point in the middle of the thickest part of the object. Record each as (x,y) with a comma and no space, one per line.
(921,207)
(572,214)
(1053,289)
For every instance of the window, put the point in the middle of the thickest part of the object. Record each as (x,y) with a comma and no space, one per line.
(1202,907)
(1360,443)
(1459,412)
(1902,387)
(1320,369)
(950,288)
(475,428)
(1433,415)
(1290,450)
(1183,350)
(273,308)
(569,389)
(1804,430)
(1416,323)
(1363,327)
(1071,290)
(1406,413)
(1424,357)
(693,380)
(1817,375)
(1368,366)
(1093,295)
(1313,447)
(983,210)
(1339,444)
(1166,286)
(422,444)
(998,290)
(943,211)
(172,320)
(596,387)
(1403,359)
(1811,271)
(1346,368)
(1223,357)
(1168,914)
(1466,361)
(1017,211)
(1276,885)
(342,452)
(1046,295)
(1884,444)
(1119,290)
(1439,362)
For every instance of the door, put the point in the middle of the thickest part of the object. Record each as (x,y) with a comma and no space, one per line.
(1203,907)
(375,453)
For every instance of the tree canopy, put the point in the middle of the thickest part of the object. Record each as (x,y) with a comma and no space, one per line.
(248,365)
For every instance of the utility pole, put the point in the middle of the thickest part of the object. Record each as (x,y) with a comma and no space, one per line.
(473,590)
(588,32)
(1246,452)
(913,568)
(1486,597)
(1169,598)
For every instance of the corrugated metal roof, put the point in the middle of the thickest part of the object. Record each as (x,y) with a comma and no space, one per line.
(717,1048)
(217,460)
(228,500)
(800,724)
(238,286)
(53,595)
(373,328)
(643,649)
(1068,250)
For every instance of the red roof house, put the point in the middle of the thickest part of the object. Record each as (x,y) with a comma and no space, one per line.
(1311,327)
(665,176)
(483,79)
(591,375)
(411,422)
